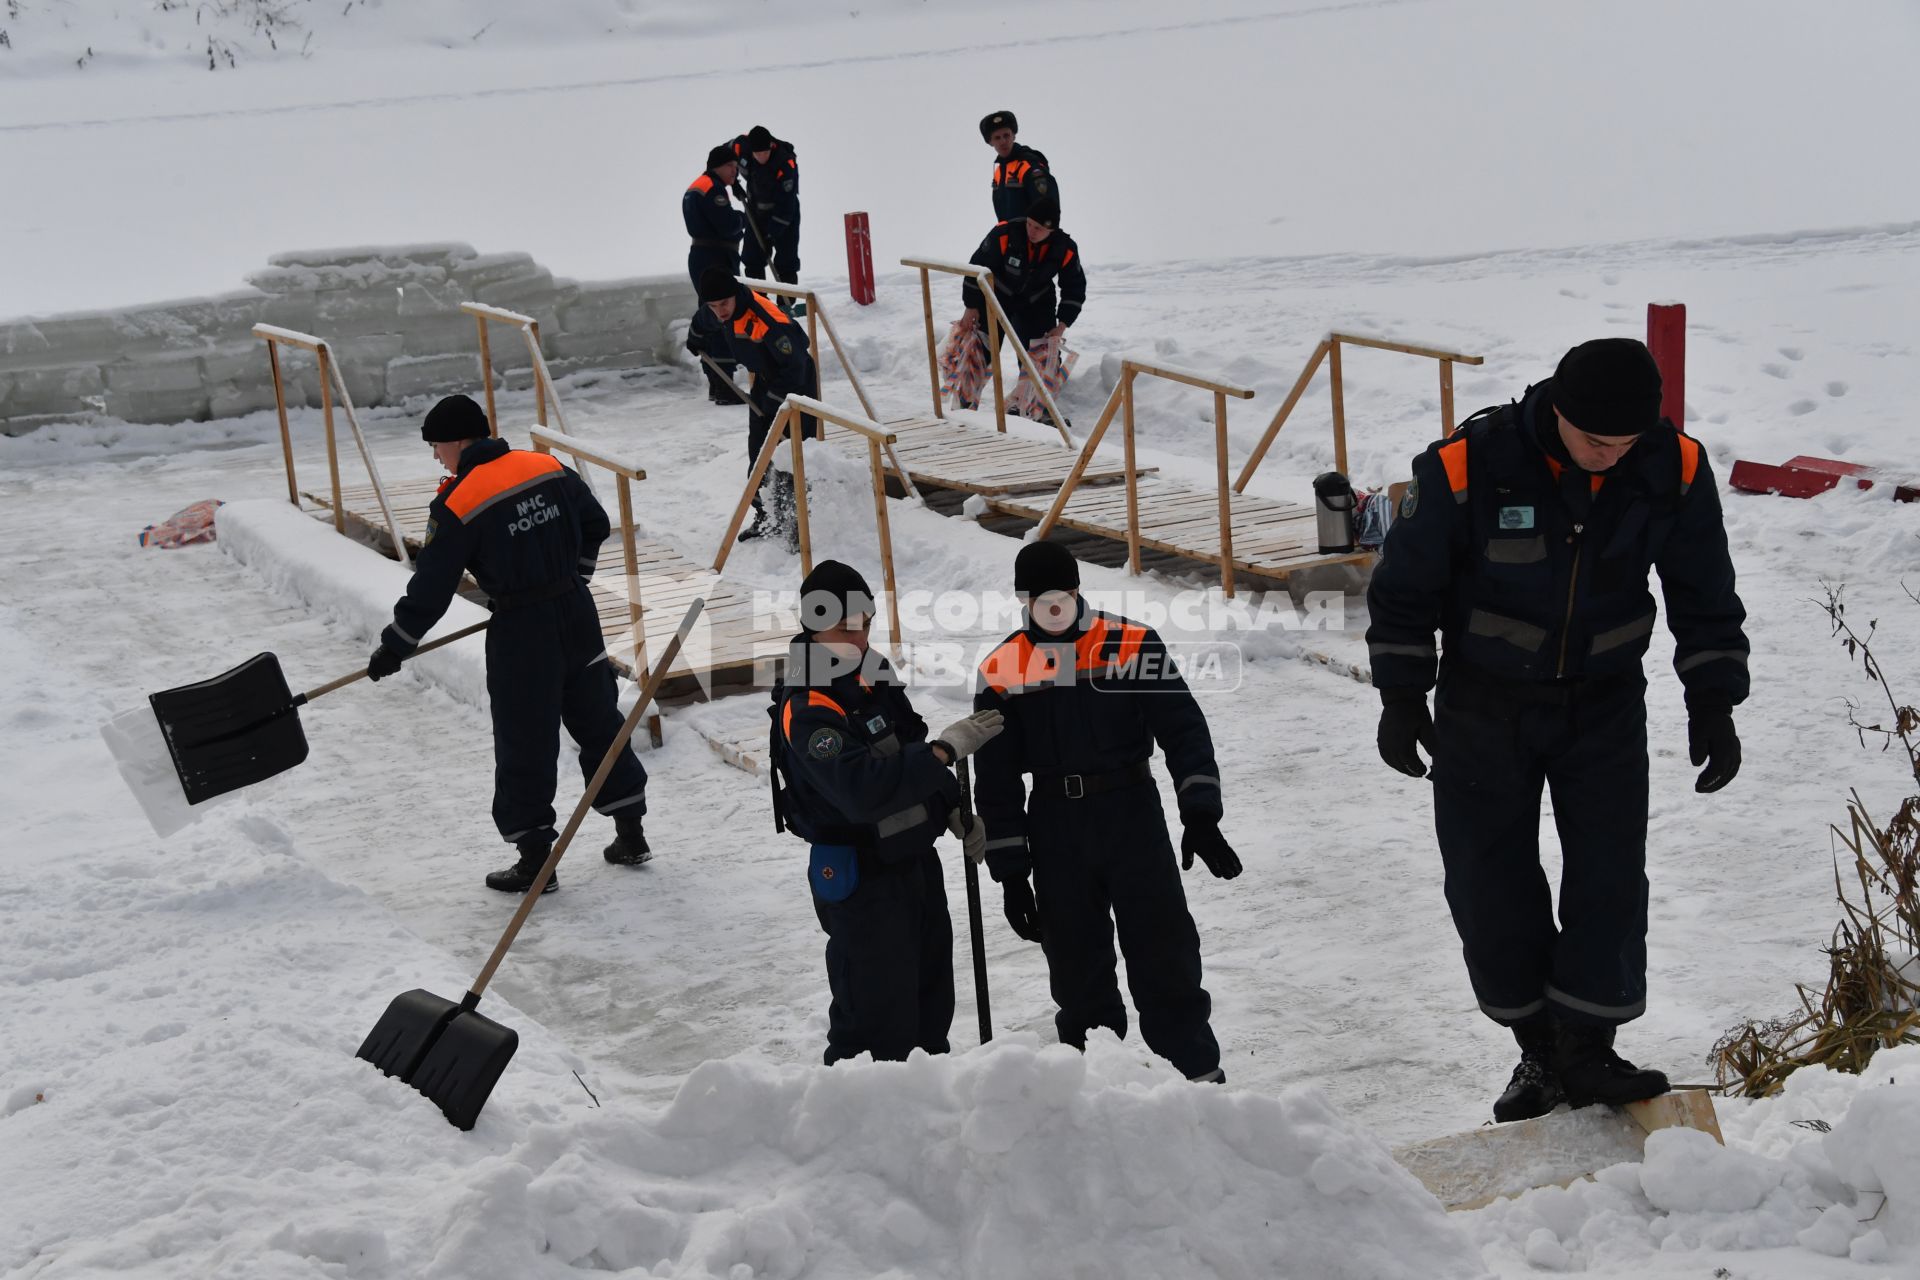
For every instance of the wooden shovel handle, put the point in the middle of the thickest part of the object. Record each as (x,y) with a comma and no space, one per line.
(732,386)
(361,674)
(592,793)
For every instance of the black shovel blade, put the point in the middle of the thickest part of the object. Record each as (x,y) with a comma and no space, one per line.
(232,731)
(464,1064)
(406,1031)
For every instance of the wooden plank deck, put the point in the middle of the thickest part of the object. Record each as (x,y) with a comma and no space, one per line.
(944,453)
(1270,538)
(730,639)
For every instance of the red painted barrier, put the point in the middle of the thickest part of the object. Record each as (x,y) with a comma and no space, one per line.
(859,258)
(1667,339)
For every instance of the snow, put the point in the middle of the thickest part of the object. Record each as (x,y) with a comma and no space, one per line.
(188,1009)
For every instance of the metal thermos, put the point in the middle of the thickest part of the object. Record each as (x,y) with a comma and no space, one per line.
(1333,509)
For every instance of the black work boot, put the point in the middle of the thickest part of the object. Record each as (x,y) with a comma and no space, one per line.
(759,527)
(518,878)
(629,847)
(1590,1071)
(1534,1089)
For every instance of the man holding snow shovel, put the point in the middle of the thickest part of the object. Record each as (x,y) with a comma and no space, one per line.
(1526,540)
(855,775)
(529,531)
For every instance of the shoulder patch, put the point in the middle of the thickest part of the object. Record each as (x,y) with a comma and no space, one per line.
(1410,502)
(783,344)
(825,743)
(433,527)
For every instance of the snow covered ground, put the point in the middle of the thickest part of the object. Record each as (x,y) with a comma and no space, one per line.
(177,1095)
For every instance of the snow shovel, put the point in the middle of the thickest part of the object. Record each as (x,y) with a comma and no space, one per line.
(732,386)
(973,916)
(447,1051)
(243,726)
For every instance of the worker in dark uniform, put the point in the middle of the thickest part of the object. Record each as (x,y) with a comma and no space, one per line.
(1028,259)
(768,344)
(1086,697)
(1525,540)
(529,532)
(715,228)
(1021,175)
(769,191)
(856,777)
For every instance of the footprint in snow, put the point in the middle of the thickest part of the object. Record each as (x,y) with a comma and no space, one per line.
(1801,407)
(1776,371)
(1792,353)
(1836,389)
(1569,293)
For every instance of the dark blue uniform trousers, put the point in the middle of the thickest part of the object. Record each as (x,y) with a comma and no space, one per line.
(1493,751)
(890,961)
(546,667)
(1106,863)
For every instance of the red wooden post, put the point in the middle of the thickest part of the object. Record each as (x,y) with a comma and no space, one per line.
(1667,339)
(859,258)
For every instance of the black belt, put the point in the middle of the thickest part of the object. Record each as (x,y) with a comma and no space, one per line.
(1078,786)
(499,600)
(1482,687)
(713,244)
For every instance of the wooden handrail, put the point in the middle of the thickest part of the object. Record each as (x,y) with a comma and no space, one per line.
(786,424)
(1381,344)
(1329,351)
(547,441)
(815,311)
(995,320)
(1174,373)
(543,388)
(852,422)
(331,379)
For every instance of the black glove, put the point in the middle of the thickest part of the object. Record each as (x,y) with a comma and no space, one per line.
(1204,838)
(739,191)
(1405,722)
(383,663)
(1023,913)
(1711,741)
(695,346)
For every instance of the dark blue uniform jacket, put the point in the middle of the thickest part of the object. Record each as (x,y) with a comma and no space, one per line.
(1533,571)
(1023,177)
(521,522)
(1024,274)
(712,221)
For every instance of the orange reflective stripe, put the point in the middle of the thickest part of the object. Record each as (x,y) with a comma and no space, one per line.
(1018,169)
(1131,638)
(1064,262)
(702,184)
(489,482)
(1689,460)
(814,699)
(750,326)
(1454,458)
(773,311)
(1003,244)
(1594,479)
(1086,650)
(1017,662)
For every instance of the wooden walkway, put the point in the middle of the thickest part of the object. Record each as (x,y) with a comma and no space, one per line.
(1271,539)
(727,642)
(945,453)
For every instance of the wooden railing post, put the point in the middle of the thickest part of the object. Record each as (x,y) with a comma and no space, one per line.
(933,358)
(1226,503)
(796,435)
(992,318)
(286,435)
(1446,398)
(1339,406)
(632,556)
(539,383)
(333,450)
(1133,477)
(486,374)
(886,540)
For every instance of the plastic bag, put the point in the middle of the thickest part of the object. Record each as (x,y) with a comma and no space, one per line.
(1054,362)
(184,527)
(964,365)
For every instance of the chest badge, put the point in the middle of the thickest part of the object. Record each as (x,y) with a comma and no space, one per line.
(1516,517)
(1410,501)
(1013,262)
(877,725)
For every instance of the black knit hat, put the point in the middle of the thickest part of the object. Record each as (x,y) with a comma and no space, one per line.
(759,138)
(722,154)
(831,594)
(1045,211)
(998,120)
(454,418)
(717,283)
(1609,387)
(1045,566)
